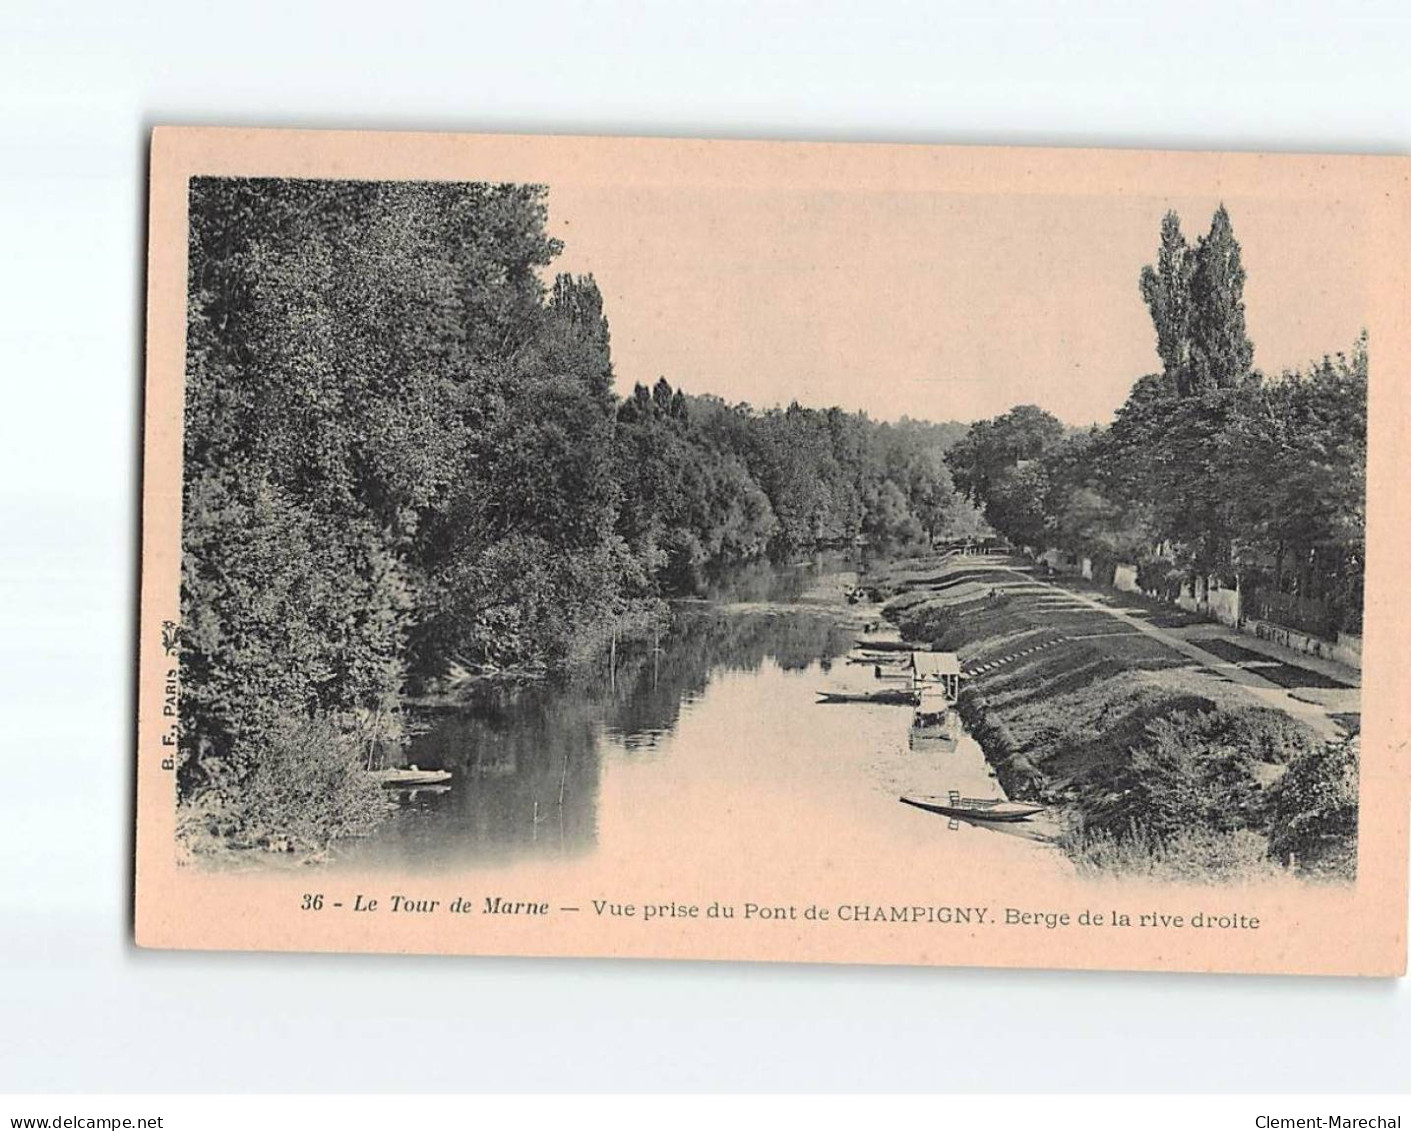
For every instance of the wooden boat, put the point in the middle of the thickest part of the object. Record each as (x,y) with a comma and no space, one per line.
(410,777)
(897,697)
(884,645)
(891,659)
(975,808)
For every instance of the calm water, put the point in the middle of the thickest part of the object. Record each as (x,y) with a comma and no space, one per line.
(713,745)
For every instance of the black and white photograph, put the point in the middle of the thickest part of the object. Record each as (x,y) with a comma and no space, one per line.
(459,586)
(743,563)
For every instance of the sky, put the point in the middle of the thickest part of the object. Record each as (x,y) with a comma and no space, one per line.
(931,304)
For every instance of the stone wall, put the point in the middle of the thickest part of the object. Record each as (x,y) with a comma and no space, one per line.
(1347,650)
(1224,606)
(1199,596)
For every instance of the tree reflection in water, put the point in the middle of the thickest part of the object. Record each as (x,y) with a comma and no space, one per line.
(527,758)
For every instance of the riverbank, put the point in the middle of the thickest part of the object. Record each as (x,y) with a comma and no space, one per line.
(1162,760)
(710,757)
(514,737)
(1146,760)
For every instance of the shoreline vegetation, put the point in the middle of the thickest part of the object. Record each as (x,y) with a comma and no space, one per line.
(406,468)
(1212,476)
(1158,770)
(407,471)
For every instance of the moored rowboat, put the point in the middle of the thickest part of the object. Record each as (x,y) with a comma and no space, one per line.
(896,698)
(975,808)
(409,776)
(884,645)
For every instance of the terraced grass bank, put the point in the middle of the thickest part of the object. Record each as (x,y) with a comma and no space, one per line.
(1162,765)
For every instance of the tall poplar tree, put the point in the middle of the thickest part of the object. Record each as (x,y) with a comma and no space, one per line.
(1196,299)
(1167,291)
(1220,350)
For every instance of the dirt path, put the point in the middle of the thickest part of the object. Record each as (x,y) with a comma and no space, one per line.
(1319,716)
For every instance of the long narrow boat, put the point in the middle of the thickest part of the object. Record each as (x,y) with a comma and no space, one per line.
(891,659)
(897,697)
(410,777)
(975,808)
(944,738)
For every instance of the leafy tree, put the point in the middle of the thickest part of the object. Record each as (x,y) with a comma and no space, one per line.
(350,347)
(997,466)
(1167,291)
(1315,807)
(575,337)
(1167,441)
(1015,506)
(1083,513)
(1295,462)
(1196,299)
(1130,463)
(305,787)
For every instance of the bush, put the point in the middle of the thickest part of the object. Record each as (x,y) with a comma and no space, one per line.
(1269,735)
(286,612)
(917,620)
(1314,810)
(307,787)
(1016,772)
(1160,575)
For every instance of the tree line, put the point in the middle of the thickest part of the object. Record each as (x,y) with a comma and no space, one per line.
(1210,468)
(404,456)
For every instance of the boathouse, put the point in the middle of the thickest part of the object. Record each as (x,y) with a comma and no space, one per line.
(936,670)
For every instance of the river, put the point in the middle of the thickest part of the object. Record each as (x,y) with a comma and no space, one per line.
(713,746)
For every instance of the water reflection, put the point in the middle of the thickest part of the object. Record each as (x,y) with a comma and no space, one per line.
(766,581)
(528,760)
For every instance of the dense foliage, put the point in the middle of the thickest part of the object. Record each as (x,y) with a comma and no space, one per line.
(1210,468)
(306,788)
(404,456)
(1164,773)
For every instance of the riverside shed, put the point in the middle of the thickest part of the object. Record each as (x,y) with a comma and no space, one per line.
(937,669)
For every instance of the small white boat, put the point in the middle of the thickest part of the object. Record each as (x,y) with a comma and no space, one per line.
(410,777)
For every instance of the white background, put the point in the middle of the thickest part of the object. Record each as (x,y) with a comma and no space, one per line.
(80,84)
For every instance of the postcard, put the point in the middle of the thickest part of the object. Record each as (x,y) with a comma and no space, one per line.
(774,551)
